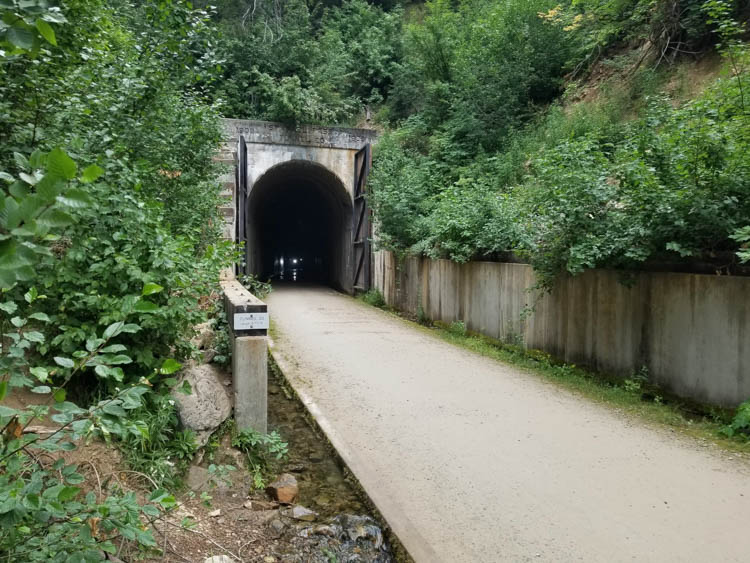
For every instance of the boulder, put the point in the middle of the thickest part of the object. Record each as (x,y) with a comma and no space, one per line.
(209,404)
(284,489)
(301,513)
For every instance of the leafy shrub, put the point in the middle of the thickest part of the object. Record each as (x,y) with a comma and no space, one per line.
(88,255)
(308,65)
(457,328)
(262,451)
(159,449)
(740,424)
(255,286)
(373,298)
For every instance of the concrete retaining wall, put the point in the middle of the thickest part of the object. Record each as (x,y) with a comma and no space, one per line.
(691,331)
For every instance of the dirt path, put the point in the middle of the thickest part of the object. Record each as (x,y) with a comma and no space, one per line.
(472,460)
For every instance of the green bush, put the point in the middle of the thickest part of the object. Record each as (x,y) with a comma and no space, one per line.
(632,177)
(262,451)
(740,424)
(307,64)
(104,250)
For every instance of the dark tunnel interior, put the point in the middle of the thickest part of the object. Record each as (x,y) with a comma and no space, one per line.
(299,221)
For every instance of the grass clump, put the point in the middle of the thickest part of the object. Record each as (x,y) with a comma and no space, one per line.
(373,297)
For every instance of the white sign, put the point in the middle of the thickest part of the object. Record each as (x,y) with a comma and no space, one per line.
(250,321)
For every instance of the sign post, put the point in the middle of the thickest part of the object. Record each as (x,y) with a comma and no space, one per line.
(248,323)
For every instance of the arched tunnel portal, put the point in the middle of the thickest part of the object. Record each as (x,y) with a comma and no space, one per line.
(298,224)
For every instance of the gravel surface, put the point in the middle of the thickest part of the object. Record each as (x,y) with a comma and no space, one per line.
(472,460)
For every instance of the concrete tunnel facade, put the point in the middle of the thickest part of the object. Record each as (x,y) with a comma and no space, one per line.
(299,200)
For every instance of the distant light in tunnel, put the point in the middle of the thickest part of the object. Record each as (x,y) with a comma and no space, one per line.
(294,260)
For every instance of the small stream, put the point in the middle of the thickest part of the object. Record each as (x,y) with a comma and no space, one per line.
(344,530)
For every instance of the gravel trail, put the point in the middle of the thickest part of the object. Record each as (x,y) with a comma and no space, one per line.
(472,460)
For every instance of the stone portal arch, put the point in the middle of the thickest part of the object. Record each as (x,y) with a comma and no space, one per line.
(299,223)
(298,199)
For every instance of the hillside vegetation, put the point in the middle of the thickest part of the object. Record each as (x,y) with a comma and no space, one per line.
(490,154)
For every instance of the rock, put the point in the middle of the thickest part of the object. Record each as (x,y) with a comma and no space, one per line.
(200,480)
(208,405)
(284,489)
(301,513)
(208,356)
(322,500)
(277,526)
(215,513)
(260,505)
(357,527)
(324,531)
(204,337)
(218,559)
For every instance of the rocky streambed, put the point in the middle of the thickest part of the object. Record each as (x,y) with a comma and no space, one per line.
(327,520)
(311,513)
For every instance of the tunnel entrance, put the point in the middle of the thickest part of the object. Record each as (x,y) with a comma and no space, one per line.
(299,226)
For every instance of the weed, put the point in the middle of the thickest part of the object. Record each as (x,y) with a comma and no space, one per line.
(637,381)
(740,425)
(422,317)
(515,339)
(255,286)
(160,450)
(220,474)
(457,328)
(263,452)
(206,499)
(374,298)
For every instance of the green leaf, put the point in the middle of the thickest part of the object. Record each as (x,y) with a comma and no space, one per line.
(46,31)
(34,336)
(67,493)
(20,37)
(3,389)
(151,288)
(7,411)
(40,317)
(21,161)
(75,198)
(55,218)
(103,371)
(60,164)
(60,395)
(169,367)
(19,190)
(113,330)
(143,306)
(114,348)
(115,410)
(28,178)
(40,373)
(64,362)
(91,173)
(41,389)
(119,359)
(9,307)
